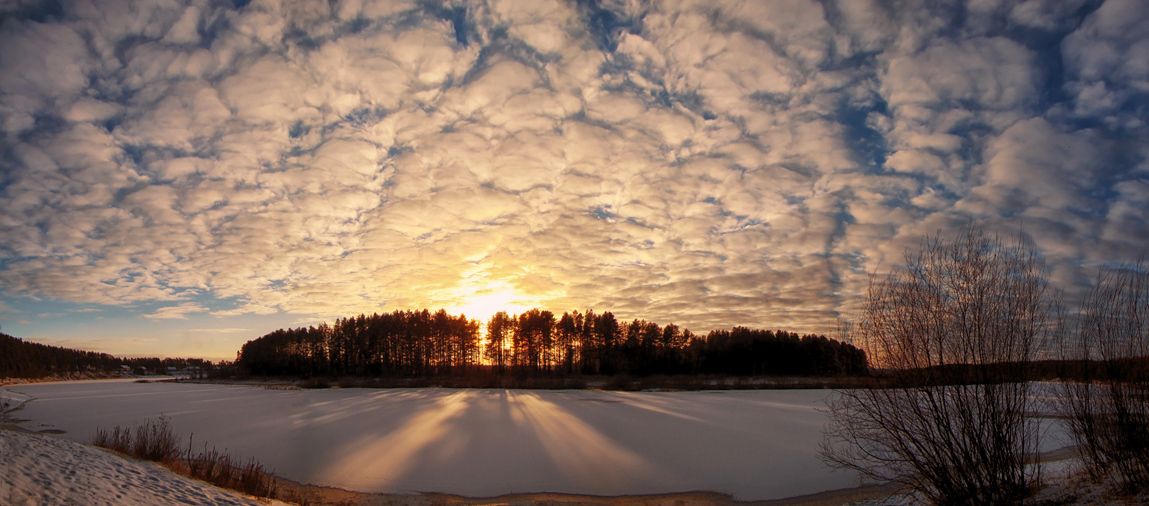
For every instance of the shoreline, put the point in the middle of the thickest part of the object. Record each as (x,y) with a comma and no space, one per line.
(78,376)
(603,383)
(332,496)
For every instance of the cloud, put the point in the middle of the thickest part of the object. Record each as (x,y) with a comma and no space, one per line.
(177,312)
(1105,59)
(706,163)
(1045,14)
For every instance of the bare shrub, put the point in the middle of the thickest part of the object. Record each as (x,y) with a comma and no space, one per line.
(117,439)
(207,465)
(154,440)
(1107,408)
(223,470)
(952,333)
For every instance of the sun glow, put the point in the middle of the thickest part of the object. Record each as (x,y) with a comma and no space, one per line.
(482,304)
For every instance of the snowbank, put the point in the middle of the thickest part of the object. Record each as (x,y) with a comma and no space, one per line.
(42,470)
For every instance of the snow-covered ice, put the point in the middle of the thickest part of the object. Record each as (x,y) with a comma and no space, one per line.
(752,444)
(41,470)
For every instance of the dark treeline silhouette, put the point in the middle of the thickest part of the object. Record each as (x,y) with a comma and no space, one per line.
(536,342)
(28,360)
(155,365)
(23,359)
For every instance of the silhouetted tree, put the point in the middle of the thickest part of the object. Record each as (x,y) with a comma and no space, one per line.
(952,423)
(1107,408)
(422,343)
(499,331)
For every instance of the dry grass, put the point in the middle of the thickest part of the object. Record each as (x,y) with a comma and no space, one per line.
(155,440)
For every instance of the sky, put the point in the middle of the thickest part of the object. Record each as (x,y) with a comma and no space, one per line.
(179,177)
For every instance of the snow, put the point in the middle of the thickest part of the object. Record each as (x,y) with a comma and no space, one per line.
(754,445)
(751,444)
(42,470)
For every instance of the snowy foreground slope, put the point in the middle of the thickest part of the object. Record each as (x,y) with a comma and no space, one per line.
(43,470)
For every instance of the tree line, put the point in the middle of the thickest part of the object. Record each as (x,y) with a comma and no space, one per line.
(29,360)
(23,359)
(421,343)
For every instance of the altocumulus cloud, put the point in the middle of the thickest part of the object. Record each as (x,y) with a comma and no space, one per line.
(708,162)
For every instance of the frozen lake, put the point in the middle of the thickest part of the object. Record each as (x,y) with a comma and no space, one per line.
(751,444)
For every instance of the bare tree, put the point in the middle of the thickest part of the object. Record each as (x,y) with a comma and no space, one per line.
(1107,404)
(951,334)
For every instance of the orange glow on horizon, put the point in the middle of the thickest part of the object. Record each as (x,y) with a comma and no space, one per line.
(481,304)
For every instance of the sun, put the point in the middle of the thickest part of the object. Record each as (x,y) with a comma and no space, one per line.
(482,303)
